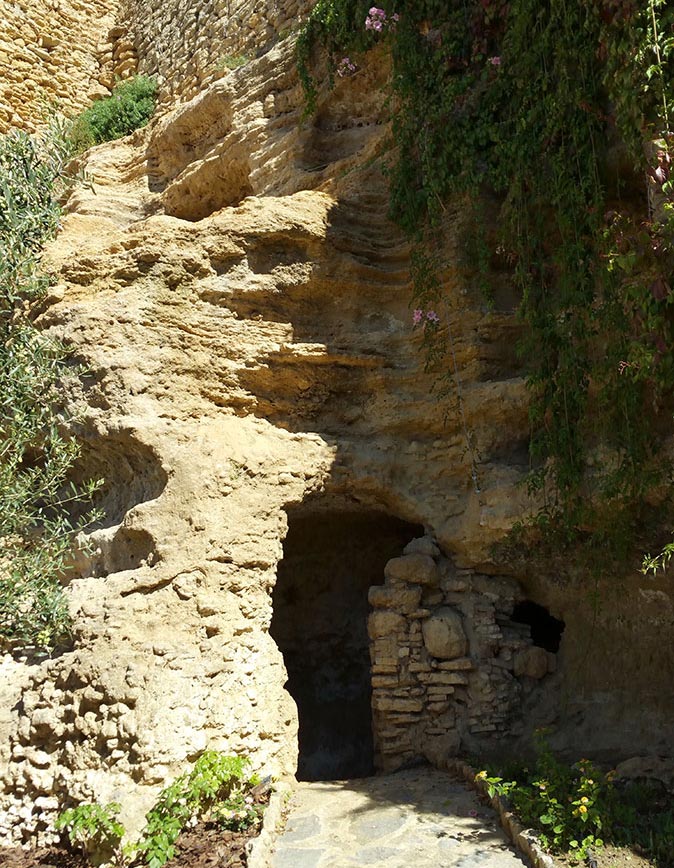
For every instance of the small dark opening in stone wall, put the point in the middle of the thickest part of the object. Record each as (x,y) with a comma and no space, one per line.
(546,630)
(331,558)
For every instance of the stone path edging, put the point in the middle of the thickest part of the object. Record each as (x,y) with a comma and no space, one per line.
(524,840)
(261,848)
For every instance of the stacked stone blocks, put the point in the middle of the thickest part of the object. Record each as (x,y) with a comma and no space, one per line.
(449,666)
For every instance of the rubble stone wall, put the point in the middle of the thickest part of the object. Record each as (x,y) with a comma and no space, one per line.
(449,666)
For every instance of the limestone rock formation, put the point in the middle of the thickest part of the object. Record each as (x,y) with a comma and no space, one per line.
(241,304)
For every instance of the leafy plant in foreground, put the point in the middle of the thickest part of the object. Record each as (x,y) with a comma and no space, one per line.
(561,802)
(36,453)
(216,789)
(95,829)
(576,808)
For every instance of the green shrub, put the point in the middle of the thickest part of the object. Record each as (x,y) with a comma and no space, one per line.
(232,61)
(35,452)
(128,108)
(216,789)
(94,829)
(577,808)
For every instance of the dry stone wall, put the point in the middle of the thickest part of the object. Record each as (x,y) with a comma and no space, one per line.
(450,667)
(60,53)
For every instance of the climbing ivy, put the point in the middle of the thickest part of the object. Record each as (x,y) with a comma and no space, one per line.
(558,111)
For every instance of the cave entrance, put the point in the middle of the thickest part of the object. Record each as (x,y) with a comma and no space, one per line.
(546,630)
(330,560)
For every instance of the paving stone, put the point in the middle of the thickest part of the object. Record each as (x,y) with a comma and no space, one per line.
(377,824)
(417,817)
(300,828)
(375,855)
(290,857)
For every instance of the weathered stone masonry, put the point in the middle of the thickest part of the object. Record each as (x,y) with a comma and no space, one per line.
(186,44)
(61,54)
(449,666)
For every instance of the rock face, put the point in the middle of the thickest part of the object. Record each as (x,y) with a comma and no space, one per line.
(241,304)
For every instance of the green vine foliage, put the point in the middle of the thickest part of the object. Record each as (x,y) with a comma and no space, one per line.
(558,111)
(35,452)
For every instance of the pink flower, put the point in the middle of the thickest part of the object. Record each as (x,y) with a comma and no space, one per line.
(495,61)
(432,316)
(345,67)
(375,19)
(417,316)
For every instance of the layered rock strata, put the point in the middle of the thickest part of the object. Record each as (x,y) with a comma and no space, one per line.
(241,305)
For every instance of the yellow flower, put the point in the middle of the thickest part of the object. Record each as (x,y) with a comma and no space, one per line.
(584,800)
(582,809)
(481,775)
(590,781)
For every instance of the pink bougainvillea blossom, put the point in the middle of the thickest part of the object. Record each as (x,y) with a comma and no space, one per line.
(346,67)
(417,316)
(377,19)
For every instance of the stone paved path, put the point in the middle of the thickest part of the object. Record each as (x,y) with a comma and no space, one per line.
(419,818)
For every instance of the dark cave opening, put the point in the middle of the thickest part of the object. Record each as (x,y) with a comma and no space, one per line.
(330,560)
(546,630)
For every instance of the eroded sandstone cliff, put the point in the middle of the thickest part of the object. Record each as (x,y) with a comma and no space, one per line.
(242,306)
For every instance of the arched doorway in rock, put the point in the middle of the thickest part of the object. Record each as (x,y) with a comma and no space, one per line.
(331,557)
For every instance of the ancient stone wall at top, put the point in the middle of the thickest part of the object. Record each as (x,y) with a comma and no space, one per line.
(186,43)
(66,52)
